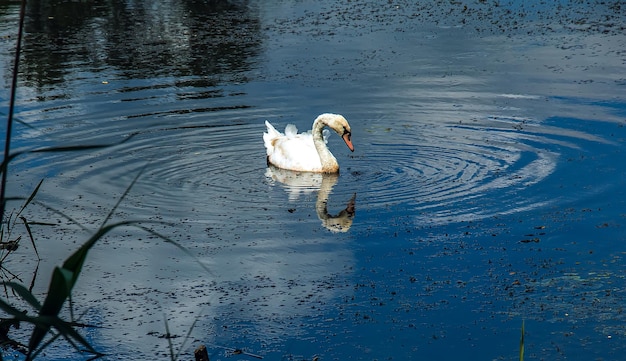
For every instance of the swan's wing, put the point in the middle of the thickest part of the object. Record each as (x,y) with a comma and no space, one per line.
(271,130)
(270,137)
(291,131)
(297,153)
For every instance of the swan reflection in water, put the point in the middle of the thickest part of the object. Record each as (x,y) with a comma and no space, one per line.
(297,183)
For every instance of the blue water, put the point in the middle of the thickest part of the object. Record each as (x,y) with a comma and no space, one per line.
(488,177)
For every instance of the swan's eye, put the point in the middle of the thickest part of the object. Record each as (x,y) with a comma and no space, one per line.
(346,133)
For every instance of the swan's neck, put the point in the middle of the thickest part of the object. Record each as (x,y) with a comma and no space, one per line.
(329,162)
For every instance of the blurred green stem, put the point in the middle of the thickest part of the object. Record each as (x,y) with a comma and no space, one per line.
(7,143)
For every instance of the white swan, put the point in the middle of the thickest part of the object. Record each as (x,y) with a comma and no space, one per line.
(306,152)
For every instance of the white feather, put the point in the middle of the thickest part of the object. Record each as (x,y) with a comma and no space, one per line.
(298,152)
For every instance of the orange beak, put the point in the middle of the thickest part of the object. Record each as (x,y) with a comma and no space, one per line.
(346,138)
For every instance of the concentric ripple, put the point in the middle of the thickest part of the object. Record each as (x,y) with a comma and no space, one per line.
(449,172)
(215,165)
(205,165)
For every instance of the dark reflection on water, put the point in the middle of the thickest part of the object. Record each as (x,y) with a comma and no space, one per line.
(212,40)
(489,174)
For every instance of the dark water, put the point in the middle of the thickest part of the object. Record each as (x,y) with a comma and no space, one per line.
(488,176)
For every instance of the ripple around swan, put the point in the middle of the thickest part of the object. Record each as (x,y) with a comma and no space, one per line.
(439,173)
(203,164)
(215,162)
(455,173)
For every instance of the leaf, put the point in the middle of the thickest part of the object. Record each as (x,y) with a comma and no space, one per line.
(75,261)
(63,280)
(68,332)
(58,292)
(24,293)
(64,329)
(17,314)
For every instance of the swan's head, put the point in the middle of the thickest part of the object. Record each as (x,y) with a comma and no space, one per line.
(340,125)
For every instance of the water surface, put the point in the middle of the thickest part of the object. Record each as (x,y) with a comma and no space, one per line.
(487,183)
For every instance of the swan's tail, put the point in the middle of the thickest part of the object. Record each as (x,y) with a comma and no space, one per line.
(268,138)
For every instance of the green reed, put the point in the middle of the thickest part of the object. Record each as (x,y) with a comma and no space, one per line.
(521,344)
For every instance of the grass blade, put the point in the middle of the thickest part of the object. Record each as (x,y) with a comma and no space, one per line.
(187,337)
(521,344)
(24,293)
(30,198)
(64,329)
(9,127)
(168,336)
(69,333)
(70,148)
(177,245)
(17,314)
(123,195)
(30,235)
(63,280)
(80,147)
